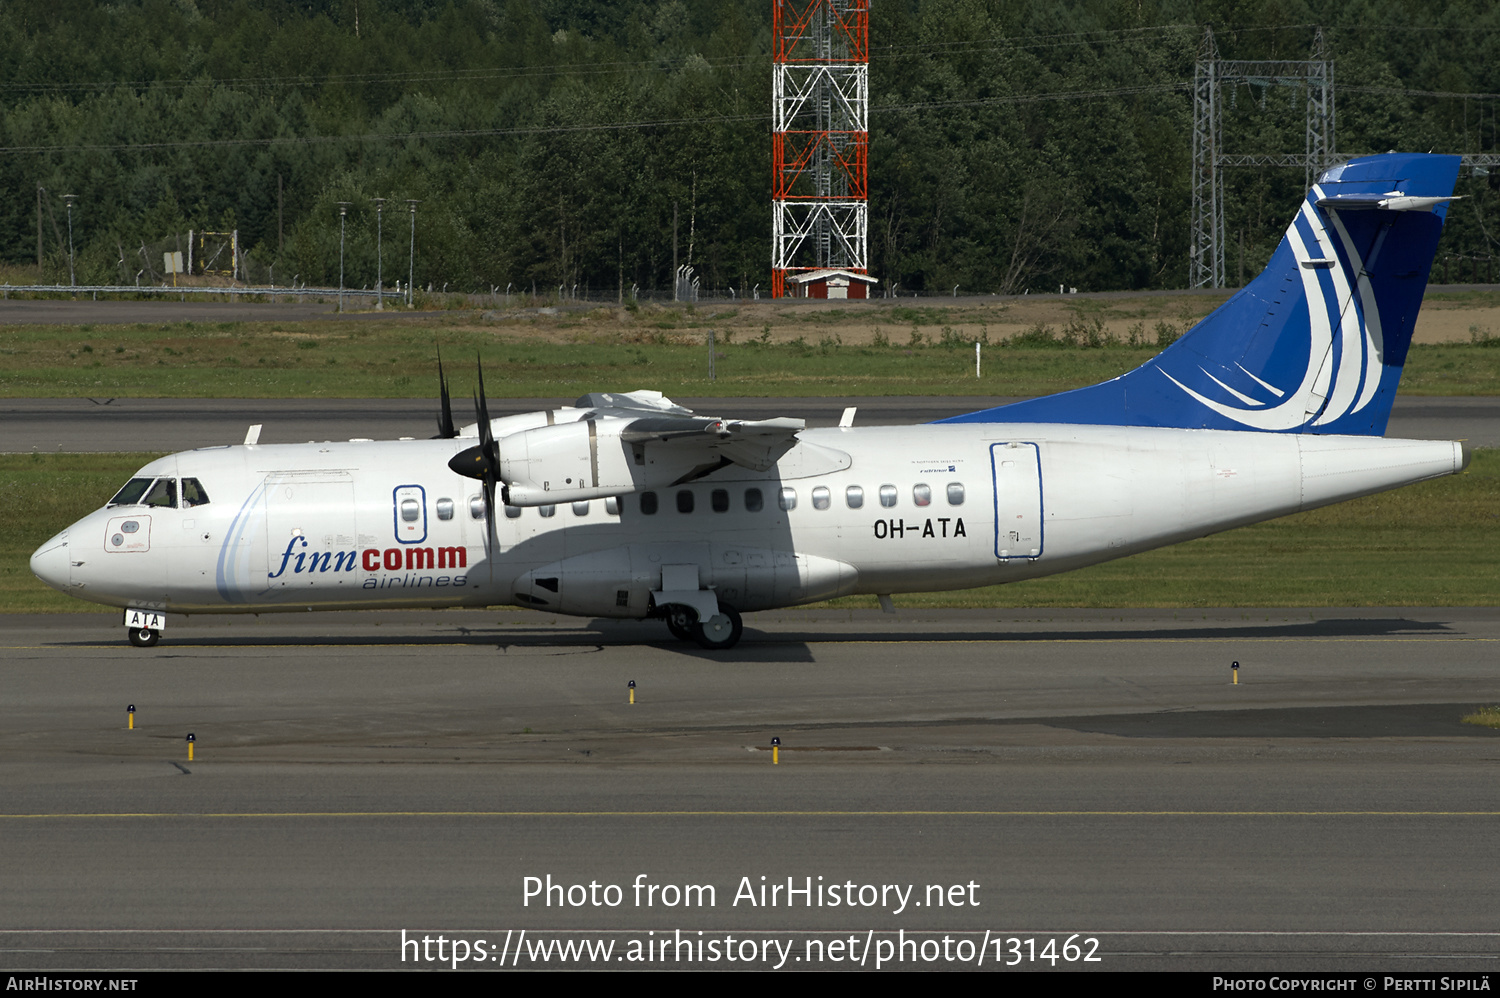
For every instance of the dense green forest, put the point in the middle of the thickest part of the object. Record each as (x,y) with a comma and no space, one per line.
(1014,143)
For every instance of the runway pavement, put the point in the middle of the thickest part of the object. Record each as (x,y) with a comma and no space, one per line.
(95,425)
(1047,773)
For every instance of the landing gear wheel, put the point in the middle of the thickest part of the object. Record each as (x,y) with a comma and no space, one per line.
(144,637)
(681,622)
(720,631)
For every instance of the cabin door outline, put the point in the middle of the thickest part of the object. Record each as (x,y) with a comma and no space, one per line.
(1016,474)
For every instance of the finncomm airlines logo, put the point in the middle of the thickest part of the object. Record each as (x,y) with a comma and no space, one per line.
(297,560)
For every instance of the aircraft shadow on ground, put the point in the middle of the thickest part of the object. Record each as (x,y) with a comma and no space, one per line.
(1417,720)
(757,646)
(1332,628)
(786,646)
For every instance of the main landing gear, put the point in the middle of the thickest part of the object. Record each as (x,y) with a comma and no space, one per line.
(144,637)
(723,630)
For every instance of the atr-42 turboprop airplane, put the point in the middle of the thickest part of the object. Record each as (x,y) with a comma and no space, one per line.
(626,505)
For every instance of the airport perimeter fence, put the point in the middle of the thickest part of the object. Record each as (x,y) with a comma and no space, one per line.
(269,293)
(433,297)
(499,297)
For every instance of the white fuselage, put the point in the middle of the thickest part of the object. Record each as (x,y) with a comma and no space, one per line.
(849,510)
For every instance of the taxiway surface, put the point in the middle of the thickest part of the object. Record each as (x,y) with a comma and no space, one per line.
(1088,772)
(124,424)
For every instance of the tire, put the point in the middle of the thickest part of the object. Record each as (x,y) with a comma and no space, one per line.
(720,632)
(144,637)
(682,632)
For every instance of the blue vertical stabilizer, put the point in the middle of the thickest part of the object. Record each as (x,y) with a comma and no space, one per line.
(1316,343)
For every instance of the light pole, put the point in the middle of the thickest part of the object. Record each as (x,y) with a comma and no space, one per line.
(343,212)
(379,258)
(72,278)
(411,263)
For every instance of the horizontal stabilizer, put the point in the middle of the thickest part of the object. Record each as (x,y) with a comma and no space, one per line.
(1390,201)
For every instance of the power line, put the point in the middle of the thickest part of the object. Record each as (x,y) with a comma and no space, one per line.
(992,44)
(586,68)
(1417,93)
(459,133)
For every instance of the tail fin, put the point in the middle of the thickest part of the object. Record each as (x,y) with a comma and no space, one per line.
(1316,343)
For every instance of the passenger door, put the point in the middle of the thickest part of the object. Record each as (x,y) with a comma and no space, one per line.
(1017,471)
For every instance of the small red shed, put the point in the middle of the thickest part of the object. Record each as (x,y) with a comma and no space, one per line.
(830,284)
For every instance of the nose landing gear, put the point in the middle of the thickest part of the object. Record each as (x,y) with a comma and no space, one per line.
(144,637)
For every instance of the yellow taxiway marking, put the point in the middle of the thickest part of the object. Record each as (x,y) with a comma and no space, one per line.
(757,814)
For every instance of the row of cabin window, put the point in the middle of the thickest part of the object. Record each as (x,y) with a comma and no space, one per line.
(822,498)
(411,509)
(718,499)
(476,508)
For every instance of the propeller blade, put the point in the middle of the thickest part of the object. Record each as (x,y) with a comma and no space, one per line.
(488,461)
(446,429)
(489,519)
(486,436)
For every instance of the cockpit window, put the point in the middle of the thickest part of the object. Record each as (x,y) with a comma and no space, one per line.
(193,494)
(163,493)
(131,493)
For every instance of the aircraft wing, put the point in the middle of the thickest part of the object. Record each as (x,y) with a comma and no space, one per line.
(650,417)
(610,444)
(754,444)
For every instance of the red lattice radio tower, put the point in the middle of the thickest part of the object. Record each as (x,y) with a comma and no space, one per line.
(820,137)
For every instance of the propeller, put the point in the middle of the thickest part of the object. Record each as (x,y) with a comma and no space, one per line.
(446,429)
(482,462)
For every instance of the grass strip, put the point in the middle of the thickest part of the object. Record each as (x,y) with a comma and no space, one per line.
(377,359)
(1485,717)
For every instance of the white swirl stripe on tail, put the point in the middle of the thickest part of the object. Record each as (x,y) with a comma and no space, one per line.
(1358,359)
(1373,329)
(1347,376)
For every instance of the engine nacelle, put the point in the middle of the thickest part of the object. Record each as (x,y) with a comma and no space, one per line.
(566,462)
(504,425)
(570,462)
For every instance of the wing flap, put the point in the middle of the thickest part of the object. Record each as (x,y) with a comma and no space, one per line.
(753,444)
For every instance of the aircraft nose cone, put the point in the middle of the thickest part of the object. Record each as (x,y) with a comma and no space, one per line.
(50,562)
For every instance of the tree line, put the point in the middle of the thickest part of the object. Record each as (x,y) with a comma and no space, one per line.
(1014,144)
